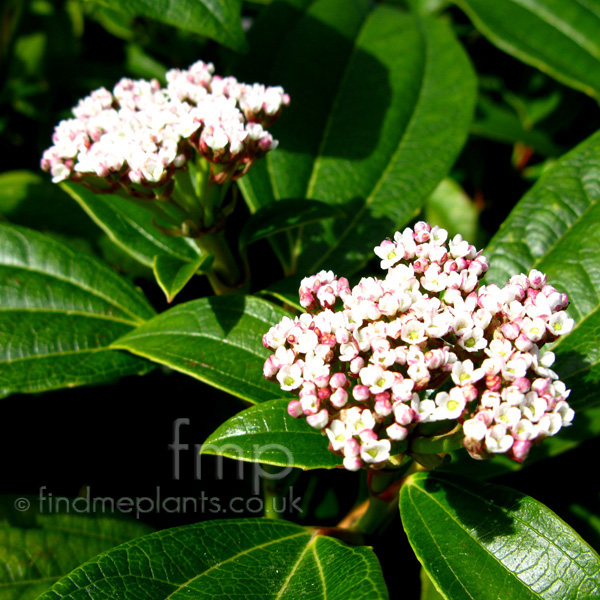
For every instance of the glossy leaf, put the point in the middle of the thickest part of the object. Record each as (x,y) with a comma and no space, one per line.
(266,433)
(286,290)
(258,559)
(59,312)
(553,229)
(219,20)
(172,275)
(387,110)
(561,38)
(131,227)
(283,216)
(217,340)
(428,589)
(38,549)
(481,541)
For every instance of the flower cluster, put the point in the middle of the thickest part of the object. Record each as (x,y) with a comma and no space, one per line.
(425,344)
(141,133)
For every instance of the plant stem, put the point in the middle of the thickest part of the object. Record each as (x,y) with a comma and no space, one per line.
(224,277)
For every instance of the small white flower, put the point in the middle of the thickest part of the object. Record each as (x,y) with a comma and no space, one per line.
(290,377)
(497,440)
(475,429)
(375,451)
(464,373)
(338,434)
(560,323)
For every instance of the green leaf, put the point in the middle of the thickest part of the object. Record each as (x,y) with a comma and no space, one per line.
(561,37)
(286,290)
(59,312)
(554,228)
(257,559)
(385,114)
(172,275)
(477,540)
(498,122)
(266,433)
(428,590)
(131,227)
(219,20)
(217,340)
(449,207)
(38,549)
(285,215)
(31,200)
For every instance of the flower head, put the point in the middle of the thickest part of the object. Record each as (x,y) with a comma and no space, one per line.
(425,344)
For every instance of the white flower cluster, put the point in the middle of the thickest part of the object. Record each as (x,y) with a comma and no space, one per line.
(425,344)
(141,133)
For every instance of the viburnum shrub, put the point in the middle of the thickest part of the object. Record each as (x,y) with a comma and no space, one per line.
(363,254)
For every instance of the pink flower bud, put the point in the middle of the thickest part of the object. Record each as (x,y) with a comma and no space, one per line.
(361,393)
(520,450)
(352,448)
(339,398)
(511,330)
(541,386)
(493,383)
(356,364)
(470,392)
(523,384)
(295,409)
(338,380)
(324,393)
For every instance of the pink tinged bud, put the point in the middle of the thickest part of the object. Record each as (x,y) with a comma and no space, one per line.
(351,448)
(318,421)
(470,392)
(324,393)
(361,393)
(271,367)
(536,279)
(511,331)
(396,432)
(338,380)
(328,339)
(450,266)
(564,301)
(383,406)
(339,398)
(420,265)
(352,464)
(541,386)
(367,435)
(403,414)
(295,409)
(356,364)
(520,450)
(308,389)
(523,343)
(523,384)
(493,383)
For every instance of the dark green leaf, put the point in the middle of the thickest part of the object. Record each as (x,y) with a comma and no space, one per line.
(286,290)
(561,37)
(255,559)
(217,340)
(219,20)
(283,216)
(32,200)
(381,105)
(266,433)
(38,549)
(59,312)
(172,275)
(553,228)
(477,540)
(131,227)
(499,123)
